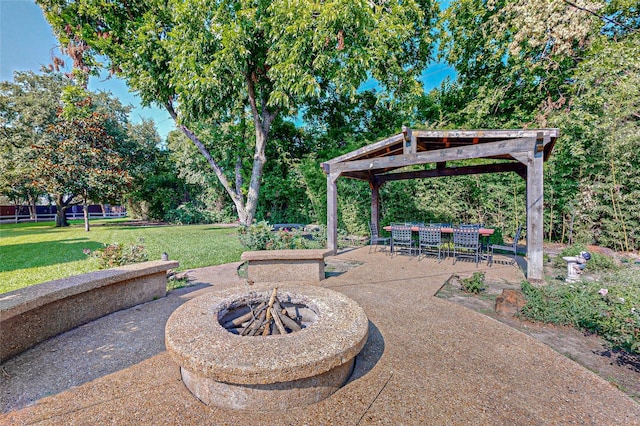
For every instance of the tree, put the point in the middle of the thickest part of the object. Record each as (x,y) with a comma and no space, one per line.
(570,64)
(61,140)
(209,62)
(28,105)
(514,58)
(159,191)
(595,168)
(85,155)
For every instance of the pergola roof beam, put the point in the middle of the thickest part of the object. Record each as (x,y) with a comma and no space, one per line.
(484,150)
(519,168)
(484,134)
(373,148)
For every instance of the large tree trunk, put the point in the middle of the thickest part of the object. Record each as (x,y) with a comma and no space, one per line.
(259,159)
(61,216)
(262,122)
(61,210)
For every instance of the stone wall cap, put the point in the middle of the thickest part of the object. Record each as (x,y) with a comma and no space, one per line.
(25,299)
(313,254)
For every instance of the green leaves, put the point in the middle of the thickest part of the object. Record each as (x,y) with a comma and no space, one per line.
(28,105)
(345,43)
(82,157)
(63,141)
(599,148)
(211,62)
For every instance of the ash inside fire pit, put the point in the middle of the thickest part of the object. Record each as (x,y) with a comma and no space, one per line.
(263,318)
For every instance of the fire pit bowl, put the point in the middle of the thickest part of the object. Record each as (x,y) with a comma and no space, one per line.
(271,373)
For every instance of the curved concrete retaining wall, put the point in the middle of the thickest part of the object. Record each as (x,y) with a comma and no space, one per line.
(33,314)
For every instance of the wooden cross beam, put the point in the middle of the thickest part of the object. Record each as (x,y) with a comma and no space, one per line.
(517,167)
(485,150)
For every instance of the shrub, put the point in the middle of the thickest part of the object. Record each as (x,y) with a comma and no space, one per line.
(496,237)
(116,254)
(261,237)
(191,214)
(612,312)
(473,284)
(256,237)
(319,236)
(284,240)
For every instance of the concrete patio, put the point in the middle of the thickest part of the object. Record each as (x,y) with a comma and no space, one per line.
(427,361)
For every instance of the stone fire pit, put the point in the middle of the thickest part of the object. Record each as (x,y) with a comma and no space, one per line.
(273,372)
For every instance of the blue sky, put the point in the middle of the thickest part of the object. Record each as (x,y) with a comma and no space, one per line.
(27,42)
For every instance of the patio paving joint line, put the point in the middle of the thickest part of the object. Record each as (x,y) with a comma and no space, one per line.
(374,399)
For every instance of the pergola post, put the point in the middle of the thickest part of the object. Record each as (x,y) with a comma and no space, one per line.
(332,211)
(535,204)
(375,204)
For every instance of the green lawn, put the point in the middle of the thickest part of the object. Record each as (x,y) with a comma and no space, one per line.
(32,253)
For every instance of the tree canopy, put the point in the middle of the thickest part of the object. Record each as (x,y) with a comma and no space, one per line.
(81,158)
(28,105)
(209,62)
(568,64)
(60,140)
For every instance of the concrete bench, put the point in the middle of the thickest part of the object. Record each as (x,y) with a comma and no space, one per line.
(33,314)
(285,265)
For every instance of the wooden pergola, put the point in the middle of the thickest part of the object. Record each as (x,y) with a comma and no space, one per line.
(520,151)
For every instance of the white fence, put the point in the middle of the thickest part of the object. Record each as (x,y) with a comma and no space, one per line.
(50,217)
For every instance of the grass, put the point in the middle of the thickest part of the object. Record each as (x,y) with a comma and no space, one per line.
(176,284)
(32,253)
